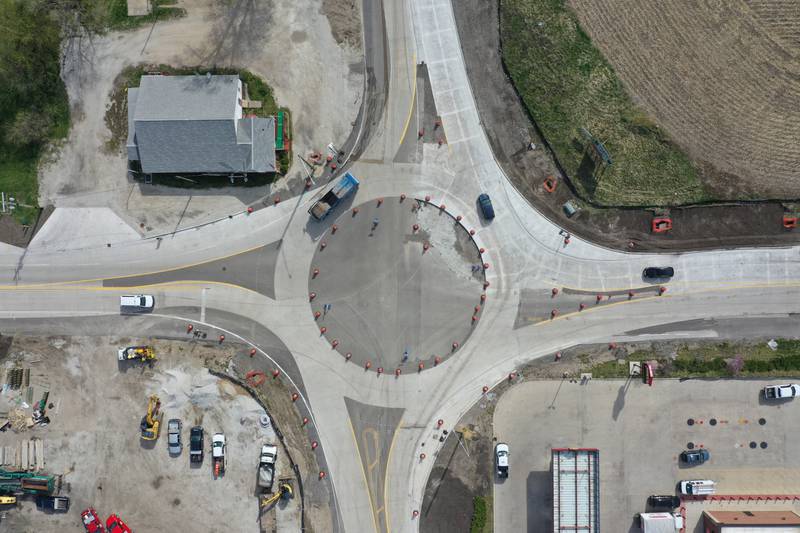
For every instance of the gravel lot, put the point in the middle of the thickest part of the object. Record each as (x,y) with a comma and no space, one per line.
(93,439)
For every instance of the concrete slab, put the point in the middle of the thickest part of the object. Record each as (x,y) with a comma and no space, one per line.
(388,295)
(640,431)
(72,227)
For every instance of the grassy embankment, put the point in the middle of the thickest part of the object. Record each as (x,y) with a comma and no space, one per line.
(711,361)
(566,84)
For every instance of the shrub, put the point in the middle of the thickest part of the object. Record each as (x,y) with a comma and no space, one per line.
(478,515)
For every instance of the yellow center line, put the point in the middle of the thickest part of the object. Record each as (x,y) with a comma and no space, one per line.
(413,102)
(364,472)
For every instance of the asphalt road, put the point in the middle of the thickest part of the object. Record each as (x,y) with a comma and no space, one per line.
(71,276)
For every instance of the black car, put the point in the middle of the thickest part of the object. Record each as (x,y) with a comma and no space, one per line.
(663,502)
(695,457)
(59,504)
(658,272)
(486,206)
(196,445)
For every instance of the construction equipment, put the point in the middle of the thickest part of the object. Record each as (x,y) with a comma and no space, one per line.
(285,491)
(137,353)
(39,413)
(151,422)
(27,483)
(346,186)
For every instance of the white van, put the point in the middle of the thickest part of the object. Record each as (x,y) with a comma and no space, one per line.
(698,487)
(139,303)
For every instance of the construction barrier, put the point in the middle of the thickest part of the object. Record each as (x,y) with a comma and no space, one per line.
(254,378)
(661,224)
(550,184)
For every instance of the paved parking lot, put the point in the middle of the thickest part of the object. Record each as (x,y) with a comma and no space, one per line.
(640,431)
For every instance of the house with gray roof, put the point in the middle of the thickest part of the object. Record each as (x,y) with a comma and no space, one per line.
(195,125)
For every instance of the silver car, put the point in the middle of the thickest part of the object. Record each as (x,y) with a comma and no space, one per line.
(174,436)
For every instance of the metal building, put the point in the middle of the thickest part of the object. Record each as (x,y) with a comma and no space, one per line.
(576,490)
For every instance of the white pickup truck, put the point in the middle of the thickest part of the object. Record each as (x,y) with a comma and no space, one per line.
(266,466)
(780,392)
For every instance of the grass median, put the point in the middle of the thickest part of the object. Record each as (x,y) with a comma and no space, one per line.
(566,85)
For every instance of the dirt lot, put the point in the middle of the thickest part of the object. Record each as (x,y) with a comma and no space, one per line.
(306,67)
(93,437)
(510,128)
(723,79)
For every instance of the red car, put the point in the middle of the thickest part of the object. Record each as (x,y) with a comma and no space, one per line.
(91,522)
(116,525)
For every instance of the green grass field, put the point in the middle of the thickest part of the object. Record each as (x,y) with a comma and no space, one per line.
(567,84)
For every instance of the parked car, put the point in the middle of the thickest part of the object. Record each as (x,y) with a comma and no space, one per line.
(658,272)
(58,504)
(781,392)
(501,458)
(174,436)
(196,445)
(695,457)
(666,502)
(91,522)
(116,525)
(486,206)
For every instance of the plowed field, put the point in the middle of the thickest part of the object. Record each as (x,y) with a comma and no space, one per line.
(722,78)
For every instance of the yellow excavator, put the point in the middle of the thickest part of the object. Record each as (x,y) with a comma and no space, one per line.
(285,491)
(151,422)
(144,354)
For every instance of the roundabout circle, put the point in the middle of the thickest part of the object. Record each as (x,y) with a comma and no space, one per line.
(397,286)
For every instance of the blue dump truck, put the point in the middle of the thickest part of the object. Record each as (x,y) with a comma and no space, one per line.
(346,186)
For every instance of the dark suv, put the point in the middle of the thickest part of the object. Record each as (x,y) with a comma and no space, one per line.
(663,502)
(486,206)
(196,445)
(695,457)
(658,272)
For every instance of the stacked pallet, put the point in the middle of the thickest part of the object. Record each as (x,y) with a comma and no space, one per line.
(26,456)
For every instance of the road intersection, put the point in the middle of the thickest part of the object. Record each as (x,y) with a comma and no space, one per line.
(373,428)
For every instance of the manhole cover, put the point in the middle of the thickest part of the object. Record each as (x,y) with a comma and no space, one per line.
(690,421)
(713,421)
(764,445)
(753,444)
(762,421)
(690,445)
